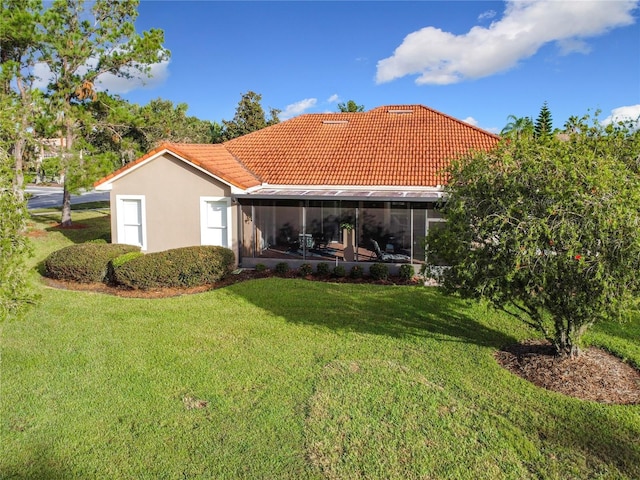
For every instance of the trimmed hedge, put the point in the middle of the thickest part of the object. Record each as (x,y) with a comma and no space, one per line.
(339,272)
(179,267)
(84,263)
(281,268)
(406,272)
(379,271)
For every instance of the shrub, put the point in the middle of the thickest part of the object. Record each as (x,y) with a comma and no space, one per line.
(305,269)
(406,272)
(322,268)
(261,267)
(356,272)
(282,268)
(124,258)
(379,271)
(339,271)
(85,262)
(117,262)
(180,267)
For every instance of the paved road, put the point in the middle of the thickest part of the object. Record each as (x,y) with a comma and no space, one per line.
(46,197)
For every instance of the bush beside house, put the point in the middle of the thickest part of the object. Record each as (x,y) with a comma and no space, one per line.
(180,267)
(84,263)
(126,266)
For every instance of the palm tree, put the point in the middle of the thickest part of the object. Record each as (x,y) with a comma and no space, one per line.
(517,127)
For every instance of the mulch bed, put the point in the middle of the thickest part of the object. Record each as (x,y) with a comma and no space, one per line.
(594,375)
(228,280)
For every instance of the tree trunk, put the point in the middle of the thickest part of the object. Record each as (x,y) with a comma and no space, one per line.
(66,207)
(18,181)
(65,221)
(567,340)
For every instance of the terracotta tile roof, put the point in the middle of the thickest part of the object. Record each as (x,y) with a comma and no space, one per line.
(398,145)
(214,158)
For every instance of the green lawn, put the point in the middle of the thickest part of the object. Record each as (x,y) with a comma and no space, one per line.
(301,380)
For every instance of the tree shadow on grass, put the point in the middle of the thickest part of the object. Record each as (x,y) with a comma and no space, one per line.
(94,227)
(394,311)
(597,431)
(39,464)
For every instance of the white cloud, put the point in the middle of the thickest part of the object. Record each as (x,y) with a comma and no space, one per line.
(624,114)
(157,75)
(440,57)
(107,81)
(487,15)
(42,74)
(333,98)
(471,121)
(297,108)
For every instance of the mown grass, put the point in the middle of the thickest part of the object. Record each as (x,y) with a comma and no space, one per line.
(301,380)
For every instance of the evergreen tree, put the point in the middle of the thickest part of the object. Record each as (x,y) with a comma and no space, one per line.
(544,122)
(77,47)
(249,117)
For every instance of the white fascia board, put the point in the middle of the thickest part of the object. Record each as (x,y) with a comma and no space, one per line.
(378,188)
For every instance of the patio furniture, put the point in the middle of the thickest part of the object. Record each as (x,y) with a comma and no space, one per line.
(389,257)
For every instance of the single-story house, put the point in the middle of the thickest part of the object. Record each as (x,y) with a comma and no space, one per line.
(332,187)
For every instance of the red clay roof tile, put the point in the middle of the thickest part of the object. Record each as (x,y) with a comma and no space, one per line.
(398,145)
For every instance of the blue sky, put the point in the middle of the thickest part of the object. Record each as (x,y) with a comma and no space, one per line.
(477,61)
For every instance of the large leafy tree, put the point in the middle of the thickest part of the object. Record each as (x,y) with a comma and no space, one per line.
(249,117)
(78,46)
(547,229)
(124,131)
(161,120)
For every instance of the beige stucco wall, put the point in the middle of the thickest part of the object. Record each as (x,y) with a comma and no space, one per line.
(172,190)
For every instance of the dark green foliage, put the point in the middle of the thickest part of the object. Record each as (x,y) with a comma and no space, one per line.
(14,248)
(261,267)
(379,271)
(322,269)
(339,271)
(547,229)
(179,267)
(85,262)
(356,272)
(350,106)
(305,269)
(544,122)
(406,272)
(249,117)
(281,268)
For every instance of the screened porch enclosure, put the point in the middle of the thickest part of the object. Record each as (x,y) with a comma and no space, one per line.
(336,230)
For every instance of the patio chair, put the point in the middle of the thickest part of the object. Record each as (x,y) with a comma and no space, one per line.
(389,257)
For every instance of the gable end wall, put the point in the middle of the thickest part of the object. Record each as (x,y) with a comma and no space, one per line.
(172,191)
